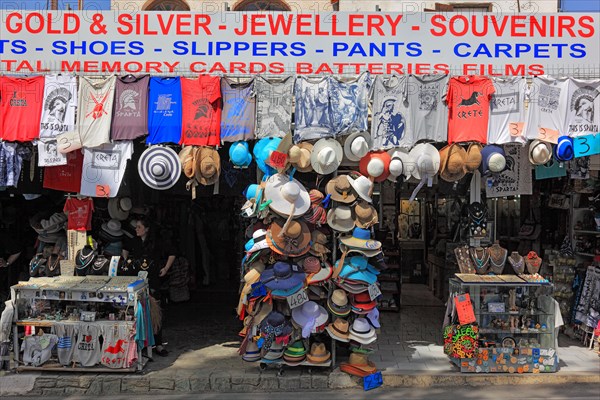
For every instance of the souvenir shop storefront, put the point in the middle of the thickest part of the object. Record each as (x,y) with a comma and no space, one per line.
(314,197)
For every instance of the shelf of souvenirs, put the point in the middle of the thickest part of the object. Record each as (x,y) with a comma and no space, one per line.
(586,232)
(515,331)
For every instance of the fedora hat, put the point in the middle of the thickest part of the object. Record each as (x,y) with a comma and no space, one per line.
(159,167)
(324,274)
(357,145)
(362,186)
(564,150)
(365,215)
(338,304)
(287,195)
(340,218)
(262,151)
(112,228)
(340,190)
(295,353)
(318,354)
(493,159)
(239,154)
(293,243)
(188,164)
(360,239)
(54,224)
(252,352)
(399,164)
(260,311)
(362,303)
(309,316)
(208,166)
(299,156)
(258,241)
(426,160)
(119,207)
(339,329)
(453,159)
(273,353)
(358,365)
(474,159)
(375,164)
(539,152)
(326,156)
(362,332)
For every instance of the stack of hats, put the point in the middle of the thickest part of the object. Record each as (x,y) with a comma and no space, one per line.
(202,165)
(50,230)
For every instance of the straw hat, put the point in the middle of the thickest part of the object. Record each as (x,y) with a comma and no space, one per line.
(362,186)
(362,303)
(186,156)
(365,215)
(252,352)
(453,159)
(399,164)
(357,145)
(294,242)
(295,353)
(119,207)
(339,329)
(361,239)
(340,190)
(338,304)
(564,151)
(539,152)
(321,276)
(318,354)
(340,218)
(494,159)
(239,154)
(473,160)
(426,160)
(358,365)
(208,166)
(362,332)
(319,244)
(299,156)
(376,164)
(326,156)
(288,196)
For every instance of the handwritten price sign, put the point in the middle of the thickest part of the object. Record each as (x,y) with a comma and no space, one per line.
(297,299)
(374,291)
(278,159)
(586,145)
(548,135)
(516,129)
(372,381)
(102,191)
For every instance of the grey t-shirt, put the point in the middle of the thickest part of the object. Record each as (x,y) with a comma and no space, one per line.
(273,107)
(130,116)
(66,339)
(88,351)
(389,125)
(312,118)
(239,107)
(507,110)
(548,105)
(583,117)
(427,110)
(349,104)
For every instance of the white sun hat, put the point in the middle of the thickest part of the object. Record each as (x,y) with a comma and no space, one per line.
(362,186)
(357,145)
(399,165)
(326,156)
(426,160)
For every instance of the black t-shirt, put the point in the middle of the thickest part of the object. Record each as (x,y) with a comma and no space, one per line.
(154,255)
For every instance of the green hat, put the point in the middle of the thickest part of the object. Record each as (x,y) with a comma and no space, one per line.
(295,349)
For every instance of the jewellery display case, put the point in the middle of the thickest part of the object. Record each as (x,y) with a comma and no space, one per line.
(87,307)
(514,324)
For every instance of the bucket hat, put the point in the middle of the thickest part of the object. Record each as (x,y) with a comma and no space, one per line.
(293,243)
(426,160)
(399,164)
(361,239)
(287,195)
(362,332)
(362,303)
(338,304)
(340,218)
(473,160)
(376,165)
(275,324)
(365,215)
(187,159)
(282,276)
(318,354)
(339,330)
(493,159)
(453,160)
(357,145)
(309,316)
(208,166)
(340,190)
(326,156)
(299,156)
(362,186)
(252,352)
(159,167)
(262,151)
(324,274)
(539,152)
(358,365)
(239,154)
(564,151)
(119,207)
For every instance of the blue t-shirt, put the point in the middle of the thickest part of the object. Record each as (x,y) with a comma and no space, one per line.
(164,111)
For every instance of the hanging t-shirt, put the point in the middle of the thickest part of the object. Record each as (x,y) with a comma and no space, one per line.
(60,103)
(468,100)
(164,110)
(273,107)
(20,108)
(312,118)
(49,155)
(66,178)
(66,340)
(130,116)
(103,169)
(79,213)
(87,350)
(31,176)
(507,113)
(95,108)
(349,104)
(201,117)
(115,345)
(38,349)
(428,113)
(390,124)
(583,117)
(11,162)
(239,107)
(548,107)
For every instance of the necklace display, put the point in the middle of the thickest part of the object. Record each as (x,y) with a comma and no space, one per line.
(465,264)
(533,262)
(52,265)
(481,258)
(497,258)
(517,262)
(478,216)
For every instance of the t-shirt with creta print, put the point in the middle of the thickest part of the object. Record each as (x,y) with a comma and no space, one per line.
(548,107)
(239,107)
(60,103)
(95,110)
(79,213)
(130,115)
(164,110)
(273,106)
(201,111)
(428,112)
(390,123)
(583,117)
(507,113)
(468,100)
(20,108)
(104,168)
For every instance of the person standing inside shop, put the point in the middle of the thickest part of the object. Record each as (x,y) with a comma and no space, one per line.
(156,258)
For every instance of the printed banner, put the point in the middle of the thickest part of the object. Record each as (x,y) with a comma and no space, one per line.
(516,179)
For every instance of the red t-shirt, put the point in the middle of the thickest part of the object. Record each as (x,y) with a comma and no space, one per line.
(201,111)
(66,178)
(21,108)
(468,100)
(79,213)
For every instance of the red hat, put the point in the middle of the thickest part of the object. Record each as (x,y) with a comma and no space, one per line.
(362,303)
(376,164)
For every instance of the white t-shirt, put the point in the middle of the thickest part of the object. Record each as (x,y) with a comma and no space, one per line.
(583,117)
(104,167)
(507,110)
(49,155)
(95,110)
(548,105)
(428,110)
(389,125)
(60,103)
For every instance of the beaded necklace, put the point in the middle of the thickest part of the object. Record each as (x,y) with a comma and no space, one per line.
(481,262)
(517,262)
(497,263)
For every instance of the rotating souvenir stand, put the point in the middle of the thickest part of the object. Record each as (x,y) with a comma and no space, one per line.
(121,291)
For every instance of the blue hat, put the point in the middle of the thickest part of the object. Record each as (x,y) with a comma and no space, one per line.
(287,292)
(282,276)
(564,150)
(262,151)
(239,154)
(357,268)
(250,191)
(493,159)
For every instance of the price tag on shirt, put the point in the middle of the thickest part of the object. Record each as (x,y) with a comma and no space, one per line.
(586,145)
(548,135)
(278,159)
(374,291)
(372,381)
(102,190)
(297,299)
(515,129)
